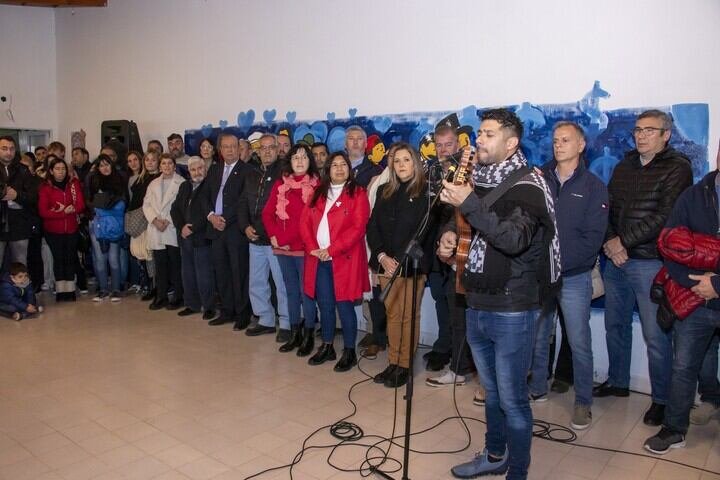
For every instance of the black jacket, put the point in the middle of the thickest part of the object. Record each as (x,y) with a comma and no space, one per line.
(642,197)
(365,172)
(138,190)
(392,224)
(188,209)
(18,224)
(517,229)
(256,191)
(231,194)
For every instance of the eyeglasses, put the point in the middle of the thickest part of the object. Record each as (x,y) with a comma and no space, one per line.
(646,132)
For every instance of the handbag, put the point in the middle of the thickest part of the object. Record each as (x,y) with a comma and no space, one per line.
(598,287)
(135,222)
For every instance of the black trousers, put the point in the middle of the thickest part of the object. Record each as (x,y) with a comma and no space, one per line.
(378,317)
(167,272)
(232,262)
(564,366)
(461,362)
(63,247)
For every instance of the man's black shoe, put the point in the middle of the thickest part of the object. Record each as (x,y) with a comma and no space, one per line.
(221,320)
(241,323)
(209,314)
(607,390)
(259,330)
(158,304)
(347,361)
(148,295)
(174,305)
(186,312)
(655,415)
(325,353)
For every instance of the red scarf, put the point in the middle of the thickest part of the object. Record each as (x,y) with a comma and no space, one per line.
(306,183)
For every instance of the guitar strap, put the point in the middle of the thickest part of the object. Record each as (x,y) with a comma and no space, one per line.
(497,192)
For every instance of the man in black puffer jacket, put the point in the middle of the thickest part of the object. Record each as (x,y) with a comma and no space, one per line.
(642,190)
(263,263)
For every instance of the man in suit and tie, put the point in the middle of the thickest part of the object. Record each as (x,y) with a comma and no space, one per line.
(229,244)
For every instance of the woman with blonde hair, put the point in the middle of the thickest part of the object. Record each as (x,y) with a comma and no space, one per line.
(400,207)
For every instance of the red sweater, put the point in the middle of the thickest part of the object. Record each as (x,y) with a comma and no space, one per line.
(48,198)
(287,232)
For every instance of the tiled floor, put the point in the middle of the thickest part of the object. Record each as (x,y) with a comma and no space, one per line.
(117,392)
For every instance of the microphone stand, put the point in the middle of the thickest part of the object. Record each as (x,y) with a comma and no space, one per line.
(413,251)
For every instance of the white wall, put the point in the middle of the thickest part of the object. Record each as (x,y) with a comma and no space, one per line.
(27,67)
(177,64)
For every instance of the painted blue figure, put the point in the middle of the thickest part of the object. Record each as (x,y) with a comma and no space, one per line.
(531,116)
(603,166)
(590,105)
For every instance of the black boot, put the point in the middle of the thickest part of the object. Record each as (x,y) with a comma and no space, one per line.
(325,352)
(308,343)
(295,339)
(398,378)
(347,361)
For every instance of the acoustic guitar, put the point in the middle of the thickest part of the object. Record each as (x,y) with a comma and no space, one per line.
(463,228)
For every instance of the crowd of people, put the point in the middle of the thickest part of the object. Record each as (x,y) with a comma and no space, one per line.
(278,238)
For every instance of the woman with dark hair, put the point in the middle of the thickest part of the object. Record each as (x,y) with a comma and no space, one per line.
(60,202)
(400,206)
(107,193)
(137,187)
(161,233)
(207,153)
(281,217)
(332,228)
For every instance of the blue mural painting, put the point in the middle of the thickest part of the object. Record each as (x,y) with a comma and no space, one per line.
(608,131)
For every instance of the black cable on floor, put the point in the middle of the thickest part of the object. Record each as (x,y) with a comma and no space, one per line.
(376,457)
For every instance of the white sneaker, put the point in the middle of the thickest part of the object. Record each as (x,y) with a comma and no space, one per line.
(704,412)
(115,296)
(447,379)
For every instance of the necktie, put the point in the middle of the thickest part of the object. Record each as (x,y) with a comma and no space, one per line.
(219,199)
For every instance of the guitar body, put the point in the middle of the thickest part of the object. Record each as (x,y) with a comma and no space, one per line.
(464,230)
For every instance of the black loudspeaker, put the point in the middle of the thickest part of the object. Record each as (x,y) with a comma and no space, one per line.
(123,132)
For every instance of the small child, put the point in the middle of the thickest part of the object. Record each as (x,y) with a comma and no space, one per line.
(17,298)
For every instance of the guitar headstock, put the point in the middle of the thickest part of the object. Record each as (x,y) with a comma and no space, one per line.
(462,175)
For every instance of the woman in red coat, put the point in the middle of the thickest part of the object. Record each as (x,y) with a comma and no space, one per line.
(60,201)
(281,217)
(332,228)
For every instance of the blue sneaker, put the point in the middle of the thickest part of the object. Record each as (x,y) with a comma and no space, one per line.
(480,466)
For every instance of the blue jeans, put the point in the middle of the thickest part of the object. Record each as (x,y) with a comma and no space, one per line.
(292,273)
(574,300)
(501,344)
(708,385)
(325,297)
(198,276)
(262,264)
(692,337)
(624,287)
(101,261)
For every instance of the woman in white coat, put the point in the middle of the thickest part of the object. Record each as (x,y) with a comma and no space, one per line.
(162,236)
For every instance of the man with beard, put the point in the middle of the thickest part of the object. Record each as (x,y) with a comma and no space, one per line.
(513,263)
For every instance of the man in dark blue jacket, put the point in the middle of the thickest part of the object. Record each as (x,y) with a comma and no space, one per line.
(696,209)
(581,206)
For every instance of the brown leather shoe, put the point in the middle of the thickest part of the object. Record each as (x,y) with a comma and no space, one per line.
(371,352)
